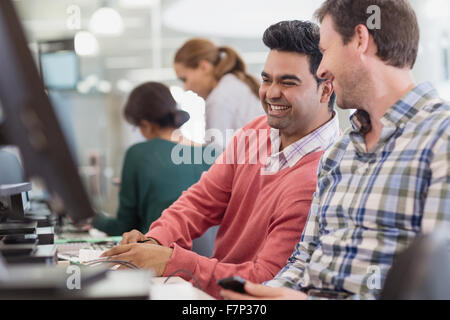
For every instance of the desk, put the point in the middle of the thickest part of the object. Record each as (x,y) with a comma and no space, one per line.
(52,282)
(158,288)
(175,288)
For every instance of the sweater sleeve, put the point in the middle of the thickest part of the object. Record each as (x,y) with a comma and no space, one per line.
(285,229)
(127,214)
(198,208)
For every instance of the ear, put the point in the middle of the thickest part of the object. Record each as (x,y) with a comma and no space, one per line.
(362,38)
(147,129)
(327,91)
(205,66)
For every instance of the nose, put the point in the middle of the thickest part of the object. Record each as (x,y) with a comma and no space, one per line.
(322,72)
(273,92)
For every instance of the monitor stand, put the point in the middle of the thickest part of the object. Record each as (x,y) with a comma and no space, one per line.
(11,200)
(22,240)
(7,228)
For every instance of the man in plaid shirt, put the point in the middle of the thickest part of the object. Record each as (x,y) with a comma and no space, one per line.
(388,179)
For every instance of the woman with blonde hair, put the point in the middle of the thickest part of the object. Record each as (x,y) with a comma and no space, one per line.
(218,74)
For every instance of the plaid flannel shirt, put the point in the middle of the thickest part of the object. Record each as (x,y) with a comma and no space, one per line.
(369,206)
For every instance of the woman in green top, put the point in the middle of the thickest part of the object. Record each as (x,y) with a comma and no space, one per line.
(151,181)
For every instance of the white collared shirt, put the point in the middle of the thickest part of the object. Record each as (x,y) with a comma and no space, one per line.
(319,139)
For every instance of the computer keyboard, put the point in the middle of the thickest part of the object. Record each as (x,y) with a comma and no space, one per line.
(102,246)
(83,251)
(88,255)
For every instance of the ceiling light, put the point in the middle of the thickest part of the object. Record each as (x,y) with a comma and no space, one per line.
(124,85)
(106,22)
(86,44)
(104,86)
(83,88)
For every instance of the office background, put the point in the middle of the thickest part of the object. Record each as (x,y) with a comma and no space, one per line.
(92,53)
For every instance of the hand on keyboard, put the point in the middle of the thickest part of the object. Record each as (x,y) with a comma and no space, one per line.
(88,255)
(84,251)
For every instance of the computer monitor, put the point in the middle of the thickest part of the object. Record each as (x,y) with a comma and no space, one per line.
(54,56)
(53,62)
(29,122)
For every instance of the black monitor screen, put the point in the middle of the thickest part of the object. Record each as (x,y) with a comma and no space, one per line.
(29,122)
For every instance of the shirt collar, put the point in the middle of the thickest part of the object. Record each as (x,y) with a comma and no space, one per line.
(319,139)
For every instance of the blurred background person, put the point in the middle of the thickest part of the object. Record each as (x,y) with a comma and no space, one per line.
(151,181)
(218,75)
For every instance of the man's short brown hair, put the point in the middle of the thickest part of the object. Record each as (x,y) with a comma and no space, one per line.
(398,38)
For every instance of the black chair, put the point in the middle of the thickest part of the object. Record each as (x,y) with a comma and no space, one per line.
(421,272)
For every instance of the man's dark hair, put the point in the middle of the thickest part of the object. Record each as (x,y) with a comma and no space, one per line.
(397,39)
(298,36)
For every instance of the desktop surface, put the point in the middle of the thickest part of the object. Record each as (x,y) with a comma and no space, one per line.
(59,283)
(52,279)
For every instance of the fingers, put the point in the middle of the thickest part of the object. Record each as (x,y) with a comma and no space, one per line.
(120,249)
(119,262)
(132,237)
(259,290)
(232,295)
(254,292)
(127,237)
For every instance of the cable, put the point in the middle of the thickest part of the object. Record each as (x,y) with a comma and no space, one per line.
(197,283)
(121,262)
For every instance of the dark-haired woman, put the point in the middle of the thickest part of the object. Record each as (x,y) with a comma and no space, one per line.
(218,74)
(151,181)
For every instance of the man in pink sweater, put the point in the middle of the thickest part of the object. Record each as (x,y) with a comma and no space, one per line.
(259,190)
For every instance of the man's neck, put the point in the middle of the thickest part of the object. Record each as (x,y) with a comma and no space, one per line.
(288,139)
(389,86)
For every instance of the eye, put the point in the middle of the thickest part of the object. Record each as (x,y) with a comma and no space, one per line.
(289,84)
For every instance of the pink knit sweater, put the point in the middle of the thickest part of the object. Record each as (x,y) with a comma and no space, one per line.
(261,217)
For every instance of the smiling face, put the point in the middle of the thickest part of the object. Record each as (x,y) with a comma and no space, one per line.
(343,65)
(290,95)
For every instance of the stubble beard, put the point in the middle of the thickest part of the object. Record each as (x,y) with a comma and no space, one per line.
(355,86)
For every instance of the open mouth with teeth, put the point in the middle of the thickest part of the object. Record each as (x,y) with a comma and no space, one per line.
(278,110)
